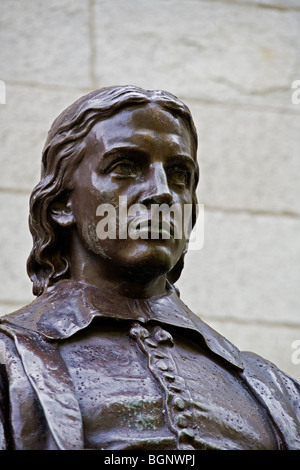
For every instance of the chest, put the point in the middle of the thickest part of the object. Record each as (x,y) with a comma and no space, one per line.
(151,388)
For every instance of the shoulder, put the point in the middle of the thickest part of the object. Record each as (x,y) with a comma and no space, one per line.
(279,393)
(264,371)
(29,316)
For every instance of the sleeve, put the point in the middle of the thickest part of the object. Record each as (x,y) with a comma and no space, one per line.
(280,394)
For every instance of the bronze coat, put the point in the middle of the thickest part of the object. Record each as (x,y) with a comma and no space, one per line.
(38,397)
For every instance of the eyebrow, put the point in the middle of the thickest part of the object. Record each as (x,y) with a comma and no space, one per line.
(123,149)
(126,151)
(184,159)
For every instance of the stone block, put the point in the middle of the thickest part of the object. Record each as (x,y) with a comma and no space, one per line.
(15,246)
(248,269)
(45,42)
(249,158)
(217,51)
(24,123)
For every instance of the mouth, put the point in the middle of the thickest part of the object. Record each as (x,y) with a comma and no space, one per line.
(151,228)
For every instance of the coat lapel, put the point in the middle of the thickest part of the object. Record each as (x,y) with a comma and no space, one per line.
(52,383)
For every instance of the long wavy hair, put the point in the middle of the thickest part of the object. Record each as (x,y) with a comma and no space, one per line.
(64,149)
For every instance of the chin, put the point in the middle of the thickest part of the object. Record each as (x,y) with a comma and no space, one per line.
(145,263)
(138,259)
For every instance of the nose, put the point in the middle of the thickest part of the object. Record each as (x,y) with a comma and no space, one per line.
(158,191)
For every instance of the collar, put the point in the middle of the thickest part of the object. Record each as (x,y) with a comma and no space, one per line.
(69,306)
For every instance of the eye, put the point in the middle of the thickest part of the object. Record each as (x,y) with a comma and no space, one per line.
(178,176)
(123,169)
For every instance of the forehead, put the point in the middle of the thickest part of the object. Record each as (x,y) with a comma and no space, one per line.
(143,125)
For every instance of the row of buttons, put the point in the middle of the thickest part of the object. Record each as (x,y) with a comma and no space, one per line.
(157,345)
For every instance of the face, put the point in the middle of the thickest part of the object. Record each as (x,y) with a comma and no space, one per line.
(142,155)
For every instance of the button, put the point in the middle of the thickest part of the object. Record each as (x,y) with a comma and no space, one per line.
(138,331)
(170,377)
(150,343)
(162,365)
(179,403)
(182,421)
(176,388)
(187,433)
(163,336)
(159,355)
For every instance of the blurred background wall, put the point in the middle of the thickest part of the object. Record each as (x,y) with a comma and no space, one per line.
(233,62)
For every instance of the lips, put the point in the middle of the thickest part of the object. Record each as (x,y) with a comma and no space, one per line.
(162,229)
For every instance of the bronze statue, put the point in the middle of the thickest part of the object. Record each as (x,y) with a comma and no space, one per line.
(108,356)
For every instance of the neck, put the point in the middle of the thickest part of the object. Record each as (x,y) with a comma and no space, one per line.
(96,270)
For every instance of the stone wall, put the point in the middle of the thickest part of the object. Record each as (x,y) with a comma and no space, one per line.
(233,62)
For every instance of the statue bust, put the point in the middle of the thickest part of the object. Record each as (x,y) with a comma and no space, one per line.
(108,356)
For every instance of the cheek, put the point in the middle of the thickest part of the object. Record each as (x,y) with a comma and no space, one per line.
(87,231)
(86,226)
(103,189)
(88,198)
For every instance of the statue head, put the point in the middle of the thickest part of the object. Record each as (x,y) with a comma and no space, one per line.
(65,150)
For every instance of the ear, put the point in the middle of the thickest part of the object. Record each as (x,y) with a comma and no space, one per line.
(61,212)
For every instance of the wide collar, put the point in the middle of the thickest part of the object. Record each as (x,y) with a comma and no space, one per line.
(70,306)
